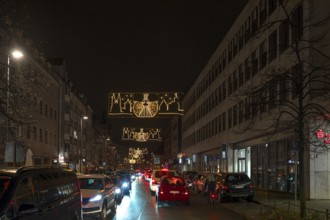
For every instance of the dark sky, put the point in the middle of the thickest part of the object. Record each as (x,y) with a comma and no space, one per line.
(131,45)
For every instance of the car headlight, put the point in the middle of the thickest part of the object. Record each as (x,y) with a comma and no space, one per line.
(96,198)
(117,190)
(125,184)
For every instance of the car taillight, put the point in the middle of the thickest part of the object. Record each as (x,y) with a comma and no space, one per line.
(161,191)
(153,181)
(186,192)
(251,187)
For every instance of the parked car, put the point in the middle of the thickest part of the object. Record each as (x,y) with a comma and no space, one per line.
(172,188)
(155,178)
(35,192)
(235,186)
(98,194)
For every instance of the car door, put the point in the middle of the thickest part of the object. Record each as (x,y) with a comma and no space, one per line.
(109,188)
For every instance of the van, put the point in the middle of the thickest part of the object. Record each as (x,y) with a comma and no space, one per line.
(38,192)
(155,178)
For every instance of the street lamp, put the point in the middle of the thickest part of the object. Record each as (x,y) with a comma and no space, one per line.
(16,54)
(81,141)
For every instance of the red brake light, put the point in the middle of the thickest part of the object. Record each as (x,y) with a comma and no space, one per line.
(224,187)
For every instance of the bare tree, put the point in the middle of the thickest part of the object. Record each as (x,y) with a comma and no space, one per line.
(290,92)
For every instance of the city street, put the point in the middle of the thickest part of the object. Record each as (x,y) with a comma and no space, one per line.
(140,205)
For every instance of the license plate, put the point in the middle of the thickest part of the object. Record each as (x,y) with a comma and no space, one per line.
(239,187)
(174,192)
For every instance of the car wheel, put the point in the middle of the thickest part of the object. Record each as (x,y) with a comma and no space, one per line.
(104,212)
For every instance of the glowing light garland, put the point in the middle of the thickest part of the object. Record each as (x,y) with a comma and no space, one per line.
(141,134)
(144,105)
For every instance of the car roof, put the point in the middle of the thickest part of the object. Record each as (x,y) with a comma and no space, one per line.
(95,176)
(12,171)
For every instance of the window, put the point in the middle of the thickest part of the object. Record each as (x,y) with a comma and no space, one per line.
(235,115)
(230,51)
(40,134)
(297,24)
(263,11)
(241,38)
(240,76)
(51,113)
(296,78)
(247,30)
(263,54)
(28,132)
(255,21)
(272,4)
(230,117)
(283,37)
(224,122)
(235,81)
(272,42)
(283,86)
(254,58)
(240,112)
(247,65)
(247,109)
(224,91)
(230,84)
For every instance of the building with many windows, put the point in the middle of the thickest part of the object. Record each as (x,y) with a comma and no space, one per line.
(258,92)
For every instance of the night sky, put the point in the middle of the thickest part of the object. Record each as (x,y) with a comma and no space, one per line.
(131,45)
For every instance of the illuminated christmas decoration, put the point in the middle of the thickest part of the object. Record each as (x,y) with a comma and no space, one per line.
(135,155)
(144,105)
(141,135)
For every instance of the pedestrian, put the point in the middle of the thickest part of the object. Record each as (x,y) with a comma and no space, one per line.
(209,184)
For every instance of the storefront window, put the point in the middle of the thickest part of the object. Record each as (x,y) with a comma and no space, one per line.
(292,166)
(272,166)
(281,165)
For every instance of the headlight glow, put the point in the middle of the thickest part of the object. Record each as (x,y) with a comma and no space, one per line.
(117,190)
(96,198)
(125,184)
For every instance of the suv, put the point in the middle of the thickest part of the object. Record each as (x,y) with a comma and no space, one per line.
(155,178)
(39,192)
(235,186)
(98,195)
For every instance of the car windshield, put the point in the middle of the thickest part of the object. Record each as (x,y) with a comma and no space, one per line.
(173,181)
(237,178)
(91,183)
(4,182)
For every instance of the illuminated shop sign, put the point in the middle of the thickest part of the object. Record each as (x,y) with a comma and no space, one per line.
(320,134)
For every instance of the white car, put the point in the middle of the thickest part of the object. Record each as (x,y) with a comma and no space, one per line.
(155,178)
(98,195)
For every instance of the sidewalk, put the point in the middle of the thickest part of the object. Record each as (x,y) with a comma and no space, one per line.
(264,202)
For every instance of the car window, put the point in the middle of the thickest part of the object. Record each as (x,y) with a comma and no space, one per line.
(237,178)
(91,183)
(173,181)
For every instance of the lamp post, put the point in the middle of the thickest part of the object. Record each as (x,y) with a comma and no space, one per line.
(17,55)
(81,141)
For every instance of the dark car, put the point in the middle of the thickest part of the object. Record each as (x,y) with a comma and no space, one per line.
(35,192)
(115,179)
(125,182)
(234,186)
